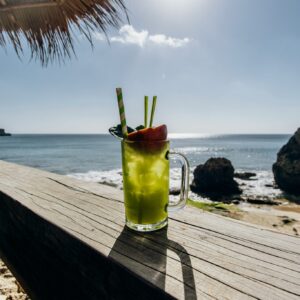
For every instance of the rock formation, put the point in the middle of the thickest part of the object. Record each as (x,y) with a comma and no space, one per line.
(245,175)
(214,179)
(287,167)
(3,133)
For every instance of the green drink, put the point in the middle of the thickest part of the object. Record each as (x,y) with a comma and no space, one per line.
(145,163)
(146,183)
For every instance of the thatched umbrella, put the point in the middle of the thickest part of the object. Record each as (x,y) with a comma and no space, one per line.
(47,24)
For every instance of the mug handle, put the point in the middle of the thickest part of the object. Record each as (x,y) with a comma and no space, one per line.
(184,190)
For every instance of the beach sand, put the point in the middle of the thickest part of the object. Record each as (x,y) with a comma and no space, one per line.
(283,218)
(10,289)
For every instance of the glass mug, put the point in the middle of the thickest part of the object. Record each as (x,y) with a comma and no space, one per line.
(146,171)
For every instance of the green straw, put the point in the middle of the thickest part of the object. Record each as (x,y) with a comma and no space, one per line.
(146,112)
(152,110)
(122,112)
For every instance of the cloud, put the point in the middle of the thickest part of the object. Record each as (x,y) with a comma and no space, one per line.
(129,35)
(162,39)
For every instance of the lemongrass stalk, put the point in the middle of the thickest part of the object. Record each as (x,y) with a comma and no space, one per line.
(146,111)
(152,110)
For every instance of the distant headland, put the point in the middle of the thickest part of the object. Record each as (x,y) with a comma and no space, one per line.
(3,133)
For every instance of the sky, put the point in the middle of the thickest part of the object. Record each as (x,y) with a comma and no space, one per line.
(216,66)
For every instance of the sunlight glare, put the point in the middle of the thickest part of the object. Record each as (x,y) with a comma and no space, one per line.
(182,6)
(189,135)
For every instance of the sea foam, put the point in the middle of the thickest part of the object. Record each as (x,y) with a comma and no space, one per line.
(260,186)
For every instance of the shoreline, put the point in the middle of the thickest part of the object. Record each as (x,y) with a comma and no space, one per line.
(284,217)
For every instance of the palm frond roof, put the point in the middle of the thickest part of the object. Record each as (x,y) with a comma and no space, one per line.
(47,25)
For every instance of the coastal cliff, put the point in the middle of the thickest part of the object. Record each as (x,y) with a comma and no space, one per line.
(287,167)
(3,133)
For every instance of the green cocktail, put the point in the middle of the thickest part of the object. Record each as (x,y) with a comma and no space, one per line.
(145,163)
(146,183)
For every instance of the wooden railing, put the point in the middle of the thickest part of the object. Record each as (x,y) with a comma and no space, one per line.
(66,239)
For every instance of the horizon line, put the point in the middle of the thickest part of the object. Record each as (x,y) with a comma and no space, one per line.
(172,134)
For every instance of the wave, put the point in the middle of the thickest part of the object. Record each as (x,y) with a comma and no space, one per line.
(112,177)
(261,185)
(200,150)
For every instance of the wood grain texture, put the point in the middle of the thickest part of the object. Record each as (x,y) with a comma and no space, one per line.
(65,239)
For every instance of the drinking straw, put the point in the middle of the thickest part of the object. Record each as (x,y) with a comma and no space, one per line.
(146,112)
(152,110)
(122,112)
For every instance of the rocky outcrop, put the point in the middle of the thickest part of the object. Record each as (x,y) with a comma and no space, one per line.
(3,133)
(261,200)
(215,180)
(174,191)
(245,175)
(287,167)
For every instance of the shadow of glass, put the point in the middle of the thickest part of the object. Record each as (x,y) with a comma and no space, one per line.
(148,252)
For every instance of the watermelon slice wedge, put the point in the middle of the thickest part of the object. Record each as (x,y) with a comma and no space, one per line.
(158,133)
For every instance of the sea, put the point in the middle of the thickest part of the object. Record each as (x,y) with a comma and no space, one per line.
(97,157)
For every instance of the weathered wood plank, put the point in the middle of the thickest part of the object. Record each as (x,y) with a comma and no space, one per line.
(57,233)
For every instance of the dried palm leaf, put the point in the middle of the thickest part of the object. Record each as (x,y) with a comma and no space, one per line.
(47,25)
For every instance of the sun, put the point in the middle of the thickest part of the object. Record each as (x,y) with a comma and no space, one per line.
(183,6)
(179,10)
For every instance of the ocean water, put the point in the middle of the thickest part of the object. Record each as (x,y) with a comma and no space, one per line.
(98,157)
